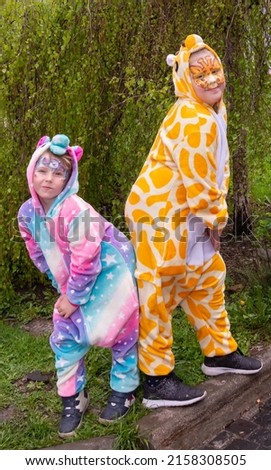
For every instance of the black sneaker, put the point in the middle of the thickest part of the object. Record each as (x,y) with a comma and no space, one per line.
(171,391)
(235,363)
(118,405)
(73,412)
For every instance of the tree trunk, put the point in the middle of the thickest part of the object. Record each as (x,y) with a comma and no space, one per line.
(242,210)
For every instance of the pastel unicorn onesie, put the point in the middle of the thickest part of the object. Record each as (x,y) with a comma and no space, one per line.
(178,196)
(91,262)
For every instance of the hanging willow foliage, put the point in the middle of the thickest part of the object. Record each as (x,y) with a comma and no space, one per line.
(96,71)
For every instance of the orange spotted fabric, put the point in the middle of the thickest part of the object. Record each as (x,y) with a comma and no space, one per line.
(180,192)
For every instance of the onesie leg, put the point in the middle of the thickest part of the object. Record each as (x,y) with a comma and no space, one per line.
(205,309)
(155,333)
(124,375)
(69,343)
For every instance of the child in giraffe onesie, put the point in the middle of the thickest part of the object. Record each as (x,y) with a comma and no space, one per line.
(176,212)
(91,264)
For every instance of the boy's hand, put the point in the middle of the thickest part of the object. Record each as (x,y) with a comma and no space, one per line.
(215,238)
(64,307)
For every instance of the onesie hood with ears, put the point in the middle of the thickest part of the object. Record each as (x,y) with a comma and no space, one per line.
(59,146)
(180,65)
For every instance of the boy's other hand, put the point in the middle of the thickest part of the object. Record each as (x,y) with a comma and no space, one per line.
(215,238)
(64,307)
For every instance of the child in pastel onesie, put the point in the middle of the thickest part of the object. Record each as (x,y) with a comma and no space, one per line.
(176,211)
(91,264)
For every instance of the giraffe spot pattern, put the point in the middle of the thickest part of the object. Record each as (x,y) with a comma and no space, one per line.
(160,177)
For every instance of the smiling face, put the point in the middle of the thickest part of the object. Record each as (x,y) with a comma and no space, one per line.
(50,177)
(207,76)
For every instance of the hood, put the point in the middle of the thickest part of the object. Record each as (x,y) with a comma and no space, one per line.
(59,145)
(180,65)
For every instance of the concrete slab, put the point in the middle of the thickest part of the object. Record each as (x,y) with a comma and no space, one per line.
(96,443)
(228,397)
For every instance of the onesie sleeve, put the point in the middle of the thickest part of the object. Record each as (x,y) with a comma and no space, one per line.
(85,236)
(34,250)
(196,161)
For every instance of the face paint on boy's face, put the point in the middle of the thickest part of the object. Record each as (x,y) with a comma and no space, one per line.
(51,164)
(207,73)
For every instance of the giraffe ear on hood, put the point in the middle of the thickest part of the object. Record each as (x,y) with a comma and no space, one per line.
(171,59)
(193,42)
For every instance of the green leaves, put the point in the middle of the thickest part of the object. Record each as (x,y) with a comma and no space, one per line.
(96,71)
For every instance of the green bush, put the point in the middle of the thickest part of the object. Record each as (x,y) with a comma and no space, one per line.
(96,71)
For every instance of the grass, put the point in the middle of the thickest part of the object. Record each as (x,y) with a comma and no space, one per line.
(35,406)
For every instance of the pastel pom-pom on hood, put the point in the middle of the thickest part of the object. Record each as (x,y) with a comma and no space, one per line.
(180,65)
(59,146)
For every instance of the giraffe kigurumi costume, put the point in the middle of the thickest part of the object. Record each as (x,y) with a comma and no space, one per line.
(180,192)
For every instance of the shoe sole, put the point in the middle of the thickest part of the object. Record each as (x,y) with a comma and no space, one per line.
(213,371)
(152,403)
(111,421)
(73,432)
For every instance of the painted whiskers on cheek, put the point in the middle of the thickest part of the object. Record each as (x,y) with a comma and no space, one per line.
(208,74)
